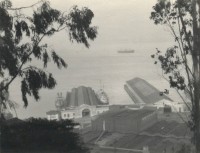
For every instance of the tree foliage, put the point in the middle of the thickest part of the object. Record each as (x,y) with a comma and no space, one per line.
(21,42)
(38,135)
(181,63)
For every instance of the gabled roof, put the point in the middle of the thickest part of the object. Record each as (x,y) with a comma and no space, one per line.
(82,95)
(144,91)
(52,112)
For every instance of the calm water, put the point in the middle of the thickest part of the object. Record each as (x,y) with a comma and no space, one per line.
(98,69)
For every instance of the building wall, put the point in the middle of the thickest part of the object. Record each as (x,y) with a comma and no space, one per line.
(76,112)
(83,107)
(68,114)
(179,107)
(148,121)
(100,110)
(175,106)
(127,124)
(97,124)
(116,125)
(53,117)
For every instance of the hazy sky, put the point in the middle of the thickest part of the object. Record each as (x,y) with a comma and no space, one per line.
(122,24)
(118,20)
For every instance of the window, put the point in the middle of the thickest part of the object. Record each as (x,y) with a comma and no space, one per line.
(68,115)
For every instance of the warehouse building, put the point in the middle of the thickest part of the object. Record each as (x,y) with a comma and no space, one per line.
(144,94)
(125,121)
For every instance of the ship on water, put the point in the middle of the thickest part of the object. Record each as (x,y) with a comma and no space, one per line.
(102,96)
(126,51)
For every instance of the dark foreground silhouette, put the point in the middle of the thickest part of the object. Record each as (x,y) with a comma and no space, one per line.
(40,135)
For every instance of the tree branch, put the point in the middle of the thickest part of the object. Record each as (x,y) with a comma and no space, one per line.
(25,7)
(60,28)
(19,70)
(32,67)
(189,108)
(184,29)
(186,64)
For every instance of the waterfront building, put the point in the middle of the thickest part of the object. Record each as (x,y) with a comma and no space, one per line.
(144,94)
(125,120)
(53,115)
(81,102)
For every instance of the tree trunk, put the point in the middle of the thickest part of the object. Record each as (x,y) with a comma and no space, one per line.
(196,66)
(196,114)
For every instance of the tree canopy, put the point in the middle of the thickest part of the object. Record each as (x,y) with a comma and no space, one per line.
(40,135)
(181,63)
(21,42)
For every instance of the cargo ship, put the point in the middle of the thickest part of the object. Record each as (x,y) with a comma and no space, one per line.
(126,51)
(102,96)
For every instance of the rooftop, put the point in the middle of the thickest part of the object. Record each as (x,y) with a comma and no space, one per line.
(125,114)
(82,95)
(145,91)
(52,112)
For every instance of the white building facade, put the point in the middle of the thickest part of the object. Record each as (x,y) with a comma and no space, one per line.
(175,106)
(79,103)
(83,111)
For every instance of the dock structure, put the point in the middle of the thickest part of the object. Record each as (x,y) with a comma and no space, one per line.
(142,92)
